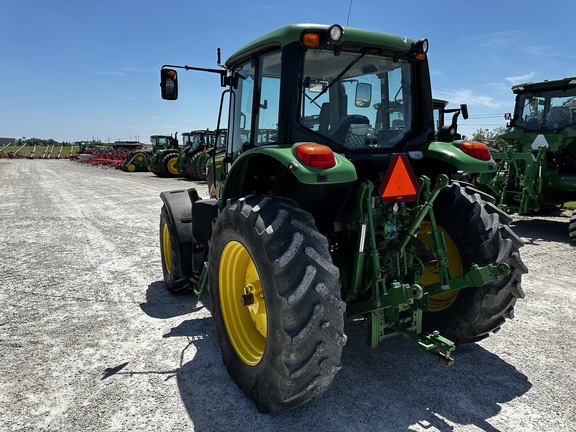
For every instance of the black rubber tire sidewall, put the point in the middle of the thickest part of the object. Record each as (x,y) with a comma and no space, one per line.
(297,364)
(172,277)
(481,234)
(572,226)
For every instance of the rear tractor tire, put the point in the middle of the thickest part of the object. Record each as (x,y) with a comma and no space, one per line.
(194,165)
(168,165)
(189,166)
(275,302)
(476,231)
(200,166)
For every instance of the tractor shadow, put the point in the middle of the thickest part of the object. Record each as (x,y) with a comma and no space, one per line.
(408,387)
(391,387)
(536,228)
(162,304)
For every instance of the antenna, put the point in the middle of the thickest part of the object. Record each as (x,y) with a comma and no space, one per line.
(349,9)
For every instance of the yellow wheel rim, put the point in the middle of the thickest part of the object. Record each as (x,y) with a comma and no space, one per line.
(242,303)
(166,249)
(140,158)
(441,302)
(131,167)
(172,166)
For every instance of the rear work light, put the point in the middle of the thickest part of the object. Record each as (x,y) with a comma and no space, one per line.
(316,155)
(476,150)
(333,36)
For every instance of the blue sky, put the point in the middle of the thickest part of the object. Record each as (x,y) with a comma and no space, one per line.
(81,69)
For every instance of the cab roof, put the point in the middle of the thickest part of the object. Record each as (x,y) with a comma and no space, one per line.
(544,85)
(292,33)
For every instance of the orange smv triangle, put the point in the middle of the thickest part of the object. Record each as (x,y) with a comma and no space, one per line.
(399,184)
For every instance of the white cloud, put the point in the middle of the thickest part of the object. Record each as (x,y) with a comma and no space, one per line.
(521,78)
(468,97)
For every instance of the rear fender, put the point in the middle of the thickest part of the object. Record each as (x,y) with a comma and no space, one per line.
(451,154)
(342,172)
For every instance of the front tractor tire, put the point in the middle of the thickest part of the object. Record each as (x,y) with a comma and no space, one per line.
(275,302)
(174,277)
(572,226)
(476,231)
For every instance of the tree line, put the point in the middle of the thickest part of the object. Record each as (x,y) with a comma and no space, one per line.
(490,137)
(41,142)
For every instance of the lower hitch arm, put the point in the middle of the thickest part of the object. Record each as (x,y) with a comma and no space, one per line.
(432,344)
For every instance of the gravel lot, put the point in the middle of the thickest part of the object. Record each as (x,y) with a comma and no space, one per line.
(91,340)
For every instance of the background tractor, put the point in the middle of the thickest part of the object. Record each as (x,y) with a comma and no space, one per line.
(216,145)
(135,160)
(191,162)
(333,203)
(448,132)
(192,143)
(165,151)
(537,168)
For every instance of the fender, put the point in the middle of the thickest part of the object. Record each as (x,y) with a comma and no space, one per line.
(192,228)
(452,155)
(178,204)
(341,173)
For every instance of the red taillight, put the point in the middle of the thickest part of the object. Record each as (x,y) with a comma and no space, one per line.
(316,155)
(476,150)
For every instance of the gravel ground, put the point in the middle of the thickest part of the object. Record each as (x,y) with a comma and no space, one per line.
(91,340)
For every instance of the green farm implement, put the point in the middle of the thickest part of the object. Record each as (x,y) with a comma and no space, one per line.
(136,160)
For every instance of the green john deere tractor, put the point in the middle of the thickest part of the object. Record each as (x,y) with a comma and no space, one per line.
(537,168)
(217,145)
(165,151)
(193,143)
(191,163)
(333,200)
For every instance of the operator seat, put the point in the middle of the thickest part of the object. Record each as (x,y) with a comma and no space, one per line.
(533,123)
(351,130)
(559,116)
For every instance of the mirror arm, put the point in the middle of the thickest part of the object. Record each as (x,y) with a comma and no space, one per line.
(186,67)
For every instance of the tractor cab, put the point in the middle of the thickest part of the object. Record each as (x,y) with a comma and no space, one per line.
(548,108)
(448,132)
(163,142)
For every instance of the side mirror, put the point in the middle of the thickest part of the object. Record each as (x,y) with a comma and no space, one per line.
(464,111)
(363,95)
(169,84)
